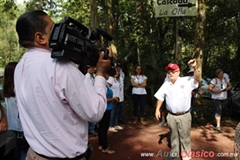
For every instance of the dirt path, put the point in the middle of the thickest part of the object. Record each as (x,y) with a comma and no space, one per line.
(137,142)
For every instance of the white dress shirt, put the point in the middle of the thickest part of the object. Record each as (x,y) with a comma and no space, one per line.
(177,95)
(55,103)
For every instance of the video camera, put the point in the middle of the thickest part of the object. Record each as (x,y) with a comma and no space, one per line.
(72,40)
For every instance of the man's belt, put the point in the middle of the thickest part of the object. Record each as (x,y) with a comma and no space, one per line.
(178,113)
(82,156)
(85,156)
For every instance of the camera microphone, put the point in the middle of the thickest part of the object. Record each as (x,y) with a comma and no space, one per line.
(104,34)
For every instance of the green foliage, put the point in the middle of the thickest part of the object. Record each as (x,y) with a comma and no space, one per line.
(77,9)
(140,37)
(222,37)
(9,47)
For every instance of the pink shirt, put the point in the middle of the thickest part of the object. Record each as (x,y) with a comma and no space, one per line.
(55,103)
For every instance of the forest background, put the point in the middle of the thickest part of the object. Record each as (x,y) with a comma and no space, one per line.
(212,37)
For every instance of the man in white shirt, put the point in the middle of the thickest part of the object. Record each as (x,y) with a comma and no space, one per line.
(55,100)
(177,93)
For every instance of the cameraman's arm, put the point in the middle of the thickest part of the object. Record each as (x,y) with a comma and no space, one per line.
(87,101)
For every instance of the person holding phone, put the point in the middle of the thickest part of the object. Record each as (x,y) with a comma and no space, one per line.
(114,84)
(219,87)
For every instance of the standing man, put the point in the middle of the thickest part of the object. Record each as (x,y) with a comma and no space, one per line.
(55,99)
(177,93)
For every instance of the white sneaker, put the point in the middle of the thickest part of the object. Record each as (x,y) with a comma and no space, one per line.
(118,127)
(112,129)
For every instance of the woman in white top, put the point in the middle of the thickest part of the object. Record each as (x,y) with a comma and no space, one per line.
(12,112)
(219,87)
(114,84)
(139,82)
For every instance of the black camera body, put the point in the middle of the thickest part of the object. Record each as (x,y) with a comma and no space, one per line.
(72,40)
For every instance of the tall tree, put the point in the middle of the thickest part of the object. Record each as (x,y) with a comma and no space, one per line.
(94,14)
(78,10)
(51,6)
(199,34)
(109,19)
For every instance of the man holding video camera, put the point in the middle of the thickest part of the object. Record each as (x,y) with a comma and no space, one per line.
(54,98)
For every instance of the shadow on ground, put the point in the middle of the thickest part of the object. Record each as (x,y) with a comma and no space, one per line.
(136,142)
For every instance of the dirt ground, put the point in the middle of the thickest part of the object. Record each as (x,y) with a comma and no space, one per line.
(150,142)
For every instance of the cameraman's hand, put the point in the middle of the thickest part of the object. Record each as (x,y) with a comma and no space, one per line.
(103,65)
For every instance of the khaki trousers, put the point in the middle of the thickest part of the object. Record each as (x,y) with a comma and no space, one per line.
(31,155)
(180,130)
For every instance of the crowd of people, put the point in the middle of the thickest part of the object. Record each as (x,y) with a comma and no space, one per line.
(49,99)
(53,108)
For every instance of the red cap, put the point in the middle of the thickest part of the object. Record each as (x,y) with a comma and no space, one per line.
(172,66)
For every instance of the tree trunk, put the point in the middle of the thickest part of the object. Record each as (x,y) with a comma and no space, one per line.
(94,14)
(109,24)
(178,45)
(199,34)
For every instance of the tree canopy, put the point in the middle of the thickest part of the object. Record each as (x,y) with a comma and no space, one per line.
(138,36)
